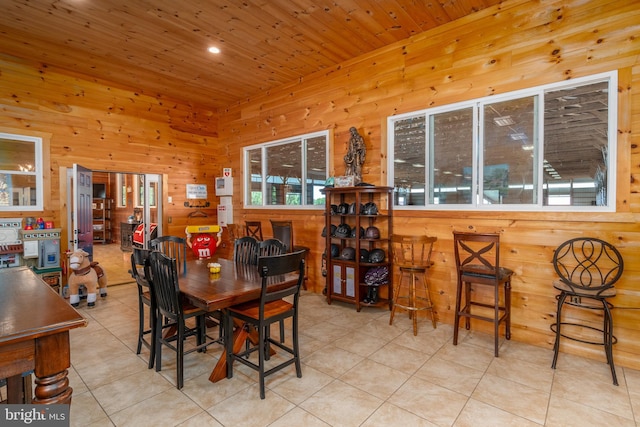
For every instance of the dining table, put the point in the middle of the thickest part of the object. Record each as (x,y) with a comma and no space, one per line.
(34,336)
(235,283)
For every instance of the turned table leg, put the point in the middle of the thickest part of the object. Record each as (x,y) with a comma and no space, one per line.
(53,358)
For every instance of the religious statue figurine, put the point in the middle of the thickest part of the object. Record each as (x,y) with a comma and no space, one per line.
(355,156)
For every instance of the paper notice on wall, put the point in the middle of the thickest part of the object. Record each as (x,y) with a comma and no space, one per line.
(196,191)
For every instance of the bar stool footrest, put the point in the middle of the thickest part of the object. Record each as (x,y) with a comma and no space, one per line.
(414,307)
(614,340)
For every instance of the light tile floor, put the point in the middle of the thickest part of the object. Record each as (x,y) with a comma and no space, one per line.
(356,371)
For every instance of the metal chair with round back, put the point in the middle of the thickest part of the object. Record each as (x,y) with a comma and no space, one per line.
(588,269)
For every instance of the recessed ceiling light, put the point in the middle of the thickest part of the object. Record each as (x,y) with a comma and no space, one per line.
(214,49)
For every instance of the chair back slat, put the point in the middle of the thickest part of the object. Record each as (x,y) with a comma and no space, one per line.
(173,247)
(283,231)
(166,290)
(245,250)
(588,263)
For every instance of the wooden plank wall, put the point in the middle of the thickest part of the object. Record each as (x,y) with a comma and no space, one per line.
(106,128)
(513,46)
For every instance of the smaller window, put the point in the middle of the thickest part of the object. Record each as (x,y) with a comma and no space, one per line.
(288,172)
(21,183)
(121,181)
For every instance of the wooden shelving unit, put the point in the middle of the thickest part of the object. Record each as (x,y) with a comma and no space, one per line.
(345,278)
(102,220)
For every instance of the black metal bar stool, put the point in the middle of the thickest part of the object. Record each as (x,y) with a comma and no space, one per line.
(588,268)
(412,254)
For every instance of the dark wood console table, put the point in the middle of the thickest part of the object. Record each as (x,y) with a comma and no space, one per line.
(34,334)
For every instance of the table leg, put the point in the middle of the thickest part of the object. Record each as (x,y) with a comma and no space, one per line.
(53,358)
(240,335)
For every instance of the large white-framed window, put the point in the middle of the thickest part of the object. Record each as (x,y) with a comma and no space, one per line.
(287,173)
(21,179)
(548,148)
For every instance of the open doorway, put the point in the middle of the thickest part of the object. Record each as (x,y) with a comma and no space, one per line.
(126,211)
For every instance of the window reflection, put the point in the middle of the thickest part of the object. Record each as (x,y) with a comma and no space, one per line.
(284,168)
(316,156)
(20,172)
(508,152)
(255,168)
(576,145)
(452,164)
(409,149)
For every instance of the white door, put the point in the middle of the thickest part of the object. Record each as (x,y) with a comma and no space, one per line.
(82,199)
(150,190)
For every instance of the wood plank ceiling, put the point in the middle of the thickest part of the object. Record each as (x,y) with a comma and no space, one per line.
(159,47)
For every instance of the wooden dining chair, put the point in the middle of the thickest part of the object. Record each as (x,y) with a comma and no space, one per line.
(270,308)
(412,256)
(283,231)
(173,247)
(245,250)
(235,232)
(478,263)
(254,229)
(271,247)
(139,259)
(172,307)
